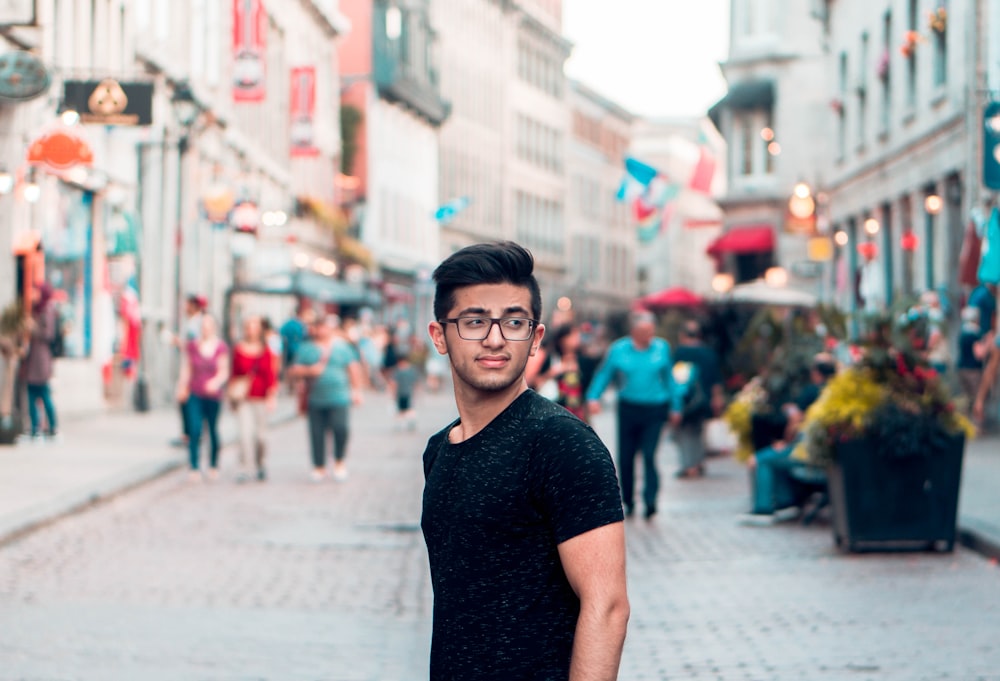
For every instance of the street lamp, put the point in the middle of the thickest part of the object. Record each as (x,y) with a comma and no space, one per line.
(932,206)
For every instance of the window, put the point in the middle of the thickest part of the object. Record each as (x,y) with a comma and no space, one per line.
(753,156)
(939,39)
(746,136)
(862,92)
(911,59)
(883,72)
(841,117)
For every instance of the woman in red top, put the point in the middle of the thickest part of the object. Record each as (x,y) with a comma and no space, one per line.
(254,366)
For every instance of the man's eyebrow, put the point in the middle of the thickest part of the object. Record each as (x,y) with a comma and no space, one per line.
(482,311)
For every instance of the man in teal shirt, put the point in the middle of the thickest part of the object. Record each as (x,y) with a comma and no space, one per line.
(641,366)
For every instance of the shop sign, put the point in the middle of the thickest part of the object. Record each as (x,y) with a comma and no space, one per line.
(23,76)
(245,217)
(249,45)
(303,111)
(60,149)
(110,102)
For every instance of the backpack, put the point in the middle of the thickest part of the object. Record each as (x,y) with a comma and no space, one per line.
(688,379)
(57,345)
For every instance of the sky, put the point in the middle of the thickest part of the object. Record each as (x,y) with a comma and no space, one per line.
(654,57)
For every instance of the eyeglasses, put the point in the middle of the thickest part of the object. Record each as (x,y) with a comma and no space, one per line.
(479,328)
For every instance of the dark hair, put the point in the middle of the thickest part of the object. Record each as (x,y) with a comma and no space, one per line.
(499,262)
(692,329)
(559,334)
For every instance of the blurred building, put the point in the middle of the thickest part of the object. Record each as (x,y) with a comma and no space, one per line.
(179,191)
(775,118)
(690,155)
(505,145)
(906,122)
(601,270)
(391,87)
(875,113)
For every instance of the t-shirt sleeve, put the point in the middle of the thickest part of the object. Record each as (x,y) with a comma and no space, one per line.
(307,354)
(574,478)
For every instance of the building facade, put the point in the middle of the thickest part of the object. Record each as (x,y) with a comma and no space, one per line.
(389,64)
(150,216)
(601,267)
(775,118)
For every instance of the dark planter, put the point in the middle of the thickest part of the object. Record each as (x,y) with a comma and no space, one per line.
(881,503)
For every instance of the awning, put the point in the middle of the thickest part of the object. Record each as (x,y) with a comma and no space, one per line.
(743,240)
(315,286)
(748,94)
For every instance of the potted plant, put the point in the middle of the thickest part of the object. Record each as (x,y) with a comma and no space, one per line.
(11,348)
(937,20)
(888,433)
(909,46)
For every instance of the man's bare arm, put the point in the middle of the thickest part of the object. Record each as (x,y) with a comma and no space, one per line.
(594,563)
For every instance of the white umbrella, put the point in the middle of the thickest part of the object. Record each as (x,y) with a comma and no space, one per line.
(760,291)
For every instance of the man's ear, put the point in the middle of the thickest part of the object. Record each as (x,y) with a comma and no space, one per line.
(536,340)
(436,331)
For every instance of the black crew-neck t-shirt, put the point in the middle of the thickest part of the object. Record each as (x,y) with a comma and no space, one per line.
(495,509)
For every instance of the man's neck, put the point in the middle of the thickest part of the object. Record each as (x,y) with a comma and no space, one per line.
(476,408)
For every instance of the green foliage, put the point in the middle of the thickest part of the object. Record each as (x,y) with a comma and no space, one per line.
(350,120)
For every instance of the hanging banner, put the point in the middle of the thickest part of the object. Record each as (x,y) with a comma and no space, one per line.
(249,33)
(303,111)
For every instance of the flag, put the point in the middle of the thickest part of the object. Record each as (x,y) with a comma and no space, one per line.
(704,171)
(249,47)
(448,211)
(302,111)
(638,176)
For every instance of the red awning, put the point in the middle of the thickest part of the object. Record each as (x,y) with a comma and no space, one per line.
(742,240)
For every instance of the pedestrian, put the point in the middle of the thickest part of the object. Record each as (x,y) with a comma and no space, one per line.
(331,366)
(295,331)
(38,363)
(274,343)
(565,371)
(204,372)
(968,364)
(641,365)
(987,382)
(403,380)
(702,400)
(252,392)
(194,308)
(521,509)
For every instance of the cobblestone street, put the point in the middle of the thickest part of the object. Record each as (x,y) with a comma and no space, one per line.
(296,580)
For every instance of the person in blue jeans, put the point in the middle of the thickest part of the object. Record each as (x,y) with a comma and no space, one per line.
(204,372)
(38,363)
(641,366)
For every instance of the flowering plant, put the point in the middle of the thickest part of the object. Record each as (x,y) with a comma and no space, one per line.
(837,105)
(739,415)
(910,40)
(892,396)
(937,20)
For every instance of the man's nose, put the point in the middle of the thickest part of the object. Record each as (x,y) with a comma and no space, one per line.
(495,336)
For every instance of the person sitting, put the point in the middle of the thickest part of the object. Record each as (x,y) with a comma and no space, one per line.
(776,489)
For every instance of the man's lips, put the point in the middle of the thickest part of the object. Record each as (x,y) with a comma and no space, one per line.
(493,361)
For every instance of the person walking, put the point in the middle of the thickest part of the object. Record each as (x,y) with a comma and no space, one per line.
(641,365)
(521,509)
(565,371)
(252,392)
(204,372)
(703,397)
(403,380)
(38,363)
(331,366)
(194,308)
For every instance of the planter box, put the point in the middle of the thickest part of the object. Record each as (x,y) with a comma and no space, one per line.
(884,504)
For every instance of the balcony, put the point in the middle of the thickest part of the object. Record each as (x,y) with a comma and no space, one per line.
(403,61)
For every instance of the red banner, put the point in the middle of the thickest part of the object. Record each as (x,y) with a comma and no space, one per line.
(302,111)
(249,42)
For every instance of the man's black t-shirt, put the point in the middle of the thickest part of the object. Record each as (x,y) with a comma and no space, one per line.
(496,507)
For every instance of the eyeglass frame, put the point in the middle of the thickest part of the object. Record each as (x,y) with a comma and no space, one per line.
(533,323)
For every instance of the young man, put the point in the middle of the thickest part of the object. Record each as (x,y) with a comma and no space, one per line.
(522,515)
(701,401)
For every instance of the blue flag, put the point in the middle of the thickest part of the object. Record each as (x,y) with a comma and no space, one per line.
(448,211)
